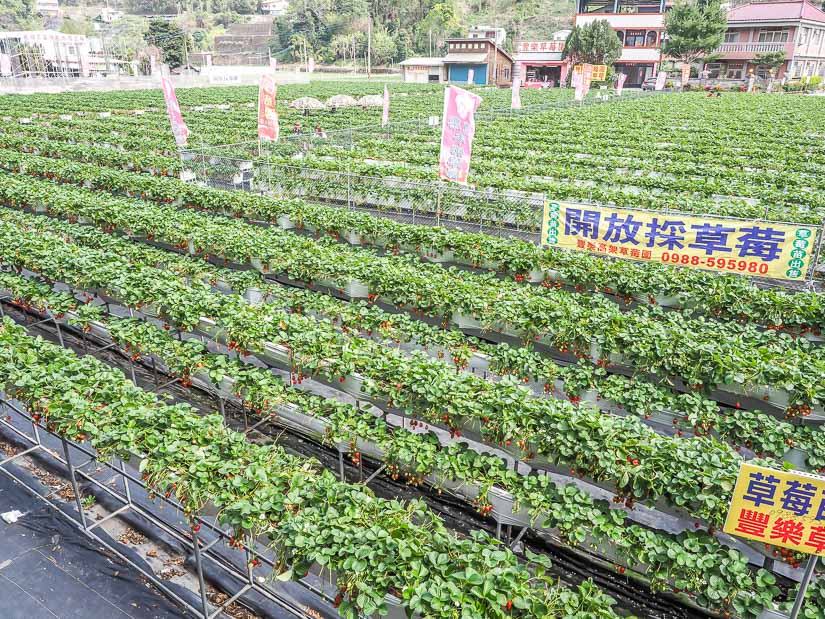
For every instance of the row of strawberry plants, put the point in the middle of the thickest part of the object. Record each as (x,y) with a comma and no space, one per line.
(375,546)
(671,561)
(702,353)
(690,412)
(722,296)
(693,476)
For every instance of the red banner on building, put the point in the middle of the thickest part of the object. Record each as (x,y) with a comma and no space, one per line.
(457,131)
(179,128)
(268,127)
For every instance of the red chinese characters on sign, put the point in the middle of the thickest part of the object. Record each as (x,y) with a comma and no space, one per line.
(781,508)
(268,127)
(179,128)
(458,129)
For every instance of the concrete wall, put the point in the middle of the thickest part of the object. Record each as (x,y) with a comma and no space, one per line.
(29,86)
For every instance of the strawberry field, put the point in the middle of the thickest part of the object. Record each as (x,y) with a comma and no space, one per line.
(476,405)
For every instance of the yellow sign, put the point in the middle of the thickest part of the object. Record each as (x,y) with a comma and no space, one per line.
(599,72)
(755,248)
(782,508)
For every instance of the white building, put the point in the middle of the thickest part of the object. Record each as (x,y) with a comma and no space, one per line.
(48,53)
(639,24)
(424,70)
(276,8)
(47,8)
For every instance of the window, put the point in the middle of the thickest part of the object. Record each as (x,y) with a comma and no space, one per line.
(773,36)
(634,38)
(620,34)
(651,39)
(71,50)
(731,37)
(714,69)
(734,71)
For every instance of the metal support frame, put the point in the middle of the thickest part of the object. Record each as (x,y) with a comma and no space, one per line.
(203,552)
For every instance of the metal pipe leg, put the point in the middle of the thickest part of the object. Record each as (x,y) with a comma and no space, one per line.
(75,487)
(199,568)
(341,466)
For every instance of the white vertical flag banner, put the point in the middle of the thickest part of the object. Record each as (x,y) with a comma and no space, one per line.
(457,131)
(470,75)
(515,96)
(385,116)
(179,128)
(661,79)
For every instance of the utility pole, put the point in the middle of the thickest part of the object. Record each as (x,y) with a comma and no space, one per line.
(369,47)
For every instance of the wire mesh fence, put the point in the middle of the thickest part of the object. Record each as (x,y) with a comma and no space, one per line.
(501,213)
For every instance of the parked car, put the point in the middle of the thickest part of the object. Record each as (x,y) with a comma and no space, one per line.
(650,83)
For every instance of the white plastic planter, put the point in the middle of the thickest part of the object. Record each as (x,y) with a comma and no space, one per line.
(292,417)
(187,175)
(104,114)
(352,237)
(466,321)
(277,355)
(432,255)
(354,385)
(503,504)
(66,117)
(285,222)
(25,121)
(253,296)
(207,326)
(245,165)
(773,396)
(237,179)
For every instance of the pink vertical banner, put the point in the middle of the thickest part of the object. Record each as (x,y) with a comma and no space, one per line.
(587,77)
(385,116)
(457,131)
(620,83)
(515,96)
(179,128)
(581,81)
(685,74)
(470,76)
(268,127)
(661,79)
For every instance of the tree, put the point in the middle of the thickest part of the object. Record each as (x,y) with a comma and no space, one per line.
(593,43)
(770,60)
(171,39)
(76,26)
(440,23)
(19,15)
(694,29)
(384,48)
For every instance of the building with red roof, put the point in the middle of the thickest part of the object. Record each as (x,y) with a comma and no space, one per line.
(795,27)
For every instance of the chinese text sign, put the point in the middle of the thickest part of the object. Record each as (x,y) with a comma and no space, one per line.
(268,128)
(778,251)
(179,128)
(457,133)
(783,508)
